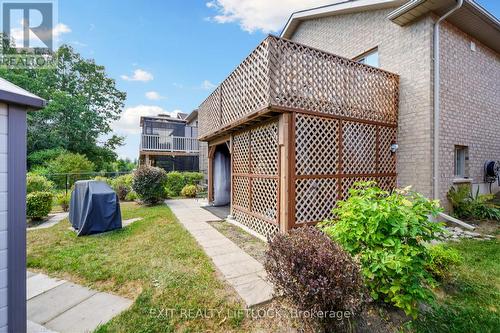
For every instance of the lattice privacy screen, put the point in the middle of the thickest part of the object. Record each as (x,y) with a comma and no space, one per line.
(283,74)
(331,155)
(255,178)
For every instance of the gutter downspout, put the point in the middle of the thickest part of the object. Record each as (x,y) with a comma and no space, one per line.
(437,110)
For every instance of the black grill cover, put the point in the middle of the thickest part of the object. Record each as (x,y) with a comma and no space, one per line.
(94,208)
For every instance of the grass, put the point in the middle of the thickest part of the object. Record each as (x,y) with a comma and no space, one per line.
(153,261)
(470,302)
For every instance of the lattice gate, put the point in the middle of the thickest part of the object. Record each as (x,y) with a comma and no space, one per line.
(255,178)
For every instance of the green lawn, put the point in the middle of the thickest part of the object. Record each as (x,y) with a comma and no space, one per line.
(154,261)
(470,302)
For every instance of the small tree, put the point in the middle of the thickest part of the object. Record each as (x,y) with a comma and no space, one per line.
(38,183)
(149,184)
(69,163)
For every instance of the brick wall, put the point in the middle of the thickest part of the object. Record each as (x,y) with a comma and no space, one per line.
(470,105)
(402,50)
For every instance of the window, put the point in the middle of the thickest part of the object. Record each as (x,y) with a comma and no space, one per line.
(461,158)
(369,58)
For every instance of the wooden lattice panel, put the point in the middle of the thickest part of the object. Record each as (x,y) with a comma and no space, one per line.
(283,74)
(387,159)
(241,192)
(247,88)
(255,177)
(309,79)
(315,199)
(359,148)
(209,116)
(265,197)
(267,230)
(264,149)
(316,145)
(241,153)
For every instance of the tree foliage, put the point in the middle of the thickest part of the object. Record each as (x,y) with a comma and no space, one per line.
(82,103)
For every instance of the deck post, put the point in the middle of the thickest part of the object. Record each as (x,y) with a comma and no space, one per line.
(211,152)
(285,171)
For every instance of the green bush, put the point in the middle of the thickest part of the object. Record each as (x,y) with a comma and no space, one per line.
(69,163)
(131,196)
(442,260)
(176,181)
(174,184)
(468,206)
(387,231)
(38,205)
(189,191)
(103,179)
(38,183)
(42,157)
(122,185)
(63,200)
(149,184)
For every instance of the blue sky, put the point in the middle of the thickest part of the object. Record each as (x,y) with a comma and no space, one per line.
(168,55)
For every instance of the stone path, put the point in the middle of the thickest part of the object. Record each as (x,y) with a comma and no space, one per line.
(245,274)
(60,306)
(53,220)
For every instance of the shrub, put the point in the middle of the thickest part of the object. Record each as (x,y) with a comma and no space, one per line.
(315,273)
(192,178)
(131,196)
(42,157)
(102,179)
(63,200)
(468,206)
(69,163)
(174,184)
(442,260)
(176,181)
(38,205)
(122,185)
(387,231)
(38,183)
(149,184)
(189,191)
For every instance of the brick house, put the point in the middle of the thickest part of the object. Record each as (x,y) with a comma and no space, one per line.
(302,98)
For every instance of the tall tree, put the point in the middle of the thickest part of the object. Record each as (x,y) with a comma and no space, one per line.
(82,103)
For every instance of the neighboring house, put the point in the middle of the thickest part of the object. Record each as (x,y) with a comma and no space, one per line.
(298,125)
(170,143)
(14,102)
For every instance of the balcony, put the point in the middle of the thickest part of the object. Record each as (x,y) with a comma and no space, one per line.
(169,144)
(283,76)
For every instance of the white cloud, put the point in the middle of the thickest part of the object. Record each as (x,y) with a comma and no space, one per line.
(35,40)
(154,96)
(264,15)
(129,123)
(207,85)
(139,75)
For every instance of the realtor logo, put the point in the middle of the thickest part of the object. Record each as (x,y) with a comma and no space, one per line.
(27,33)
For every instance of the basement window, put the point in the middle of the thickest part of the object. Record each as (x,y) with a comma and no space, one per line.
(461,159)
(369,58)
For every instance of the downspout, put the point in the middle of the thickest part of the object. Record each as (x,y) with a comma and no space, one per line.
(437,110)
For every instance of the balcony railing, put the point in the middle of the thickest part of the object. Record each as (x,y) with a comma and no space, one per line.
(281,75)
(161,143)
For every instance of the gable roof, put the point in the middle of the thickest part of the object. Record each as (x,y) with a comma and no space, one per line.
(13,94)
(470,18)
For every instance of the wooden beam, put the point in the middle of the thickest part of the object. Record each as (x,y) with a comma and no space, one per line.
(284,137)
(211,152)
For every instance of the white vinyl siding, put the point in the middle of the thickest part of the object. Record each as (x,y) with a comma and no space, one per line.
(3,216)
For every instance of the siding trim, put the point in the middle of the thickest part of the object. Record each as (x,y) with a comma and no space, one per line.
(16,219)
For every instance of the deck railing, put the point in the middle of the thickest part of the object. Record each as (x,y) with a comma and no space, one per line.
(281,74)
(162,143)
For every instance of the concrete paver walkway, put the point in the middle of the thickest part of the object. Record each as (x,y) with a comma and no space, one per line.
(60,306)
(52,220)
(245,274)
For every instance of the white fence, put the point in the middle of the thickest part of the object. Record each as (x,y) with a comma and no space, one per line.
(169,143)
